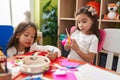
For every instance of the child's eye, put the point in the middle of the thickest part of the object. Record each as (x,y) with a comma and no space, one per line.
(78,21)
(25,35)
(84,21)
(33,36)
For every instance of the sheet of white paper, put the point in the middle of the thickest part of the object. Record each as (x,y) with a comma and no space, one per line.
(89,72)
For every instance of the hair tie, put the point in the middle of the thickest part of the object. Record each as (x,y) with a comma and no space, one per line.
(92,10)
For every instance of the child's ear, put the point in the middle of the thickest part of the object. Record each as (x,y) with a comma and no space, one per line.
(18,35)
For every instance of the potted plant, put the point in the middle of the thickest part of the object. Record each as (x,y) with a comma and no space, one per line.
(49,26)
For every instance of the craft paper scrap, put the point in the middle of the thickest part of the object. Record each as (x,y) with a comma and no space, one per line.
(90,72)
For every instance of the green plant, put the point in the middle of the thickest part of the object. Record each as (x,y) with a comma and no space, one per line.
(49,25)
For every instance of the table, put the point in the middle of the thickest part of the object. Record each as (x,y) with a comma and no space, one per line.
(48,75)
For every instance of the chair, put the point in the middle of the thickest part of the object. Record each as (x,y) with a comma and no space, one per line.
(6,32)
(39,38)
(72,29)
(102,39)
(112,47)
(100,45)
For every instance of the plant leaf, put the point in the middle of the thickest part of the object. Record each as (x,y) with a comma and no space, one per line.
(46,5)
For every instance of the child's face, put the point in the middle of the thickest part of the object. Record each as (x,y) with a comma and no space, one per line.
(84,23)
(26,39)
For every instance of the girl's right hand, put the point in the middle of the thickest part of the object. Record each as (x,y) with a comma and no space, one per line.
(52,55)
(67,46)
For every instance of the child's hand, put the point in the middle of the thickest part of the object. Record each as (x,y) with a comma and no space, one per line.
(67,45)
(68,40)
(74,45)
(2,58)
(52,55)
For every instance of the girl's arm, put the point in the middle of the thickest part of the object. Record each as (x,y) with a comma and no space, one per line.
(2,56)
(67,46)
(87,57)
(46,48)
(52,55)
(11,52)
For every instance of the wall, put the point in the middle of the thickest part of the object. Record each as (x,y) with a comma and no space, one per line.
(35,12)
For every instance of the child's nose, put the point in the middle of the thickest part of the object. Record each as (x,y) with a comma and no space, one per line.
(29,37)
(80,24)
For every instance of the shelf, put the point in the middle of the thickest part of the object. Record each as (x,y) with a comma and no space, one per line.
(67,9)
(109,20)
(65,24)
(82,3)
(67,18)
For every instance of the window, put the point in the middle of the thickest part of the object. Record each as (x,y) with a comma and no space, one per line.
(12,11)
(4,12)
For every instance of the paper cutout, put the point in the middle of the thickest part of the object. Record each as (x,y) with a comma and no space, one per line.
(72,64)
(60,72)
(68,76)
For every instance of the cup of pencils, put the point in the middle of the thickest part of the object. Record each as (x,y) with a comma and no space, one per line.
(5,74)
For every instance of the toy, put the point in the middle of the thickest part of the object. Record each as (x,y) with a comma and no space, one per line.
(95,5)
(112,14)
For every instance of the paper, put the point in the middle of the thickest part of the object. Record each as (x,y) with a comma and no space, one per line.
(60,72)
(67,76)
(89,72)
(74,64)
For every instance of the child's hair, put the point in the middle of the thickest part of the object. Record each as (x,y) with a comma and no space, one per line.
(94,28)
(19,30)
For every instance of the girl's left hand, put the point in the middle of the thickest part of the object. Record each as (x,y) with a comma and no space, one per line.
(52,56)
(2,58)
(74,45)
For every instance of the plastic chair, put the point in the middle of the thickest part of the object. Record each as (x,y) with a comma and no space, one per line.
(39,38)
(112,47)
(100,44)
(72,29)
(102,39)
(6,32)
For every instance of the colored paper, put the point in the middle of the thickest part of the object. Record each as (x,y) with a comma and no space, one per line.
(67,76)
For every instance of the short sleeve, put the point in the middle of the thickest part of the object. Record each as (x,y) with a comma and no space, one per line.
(94,45)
